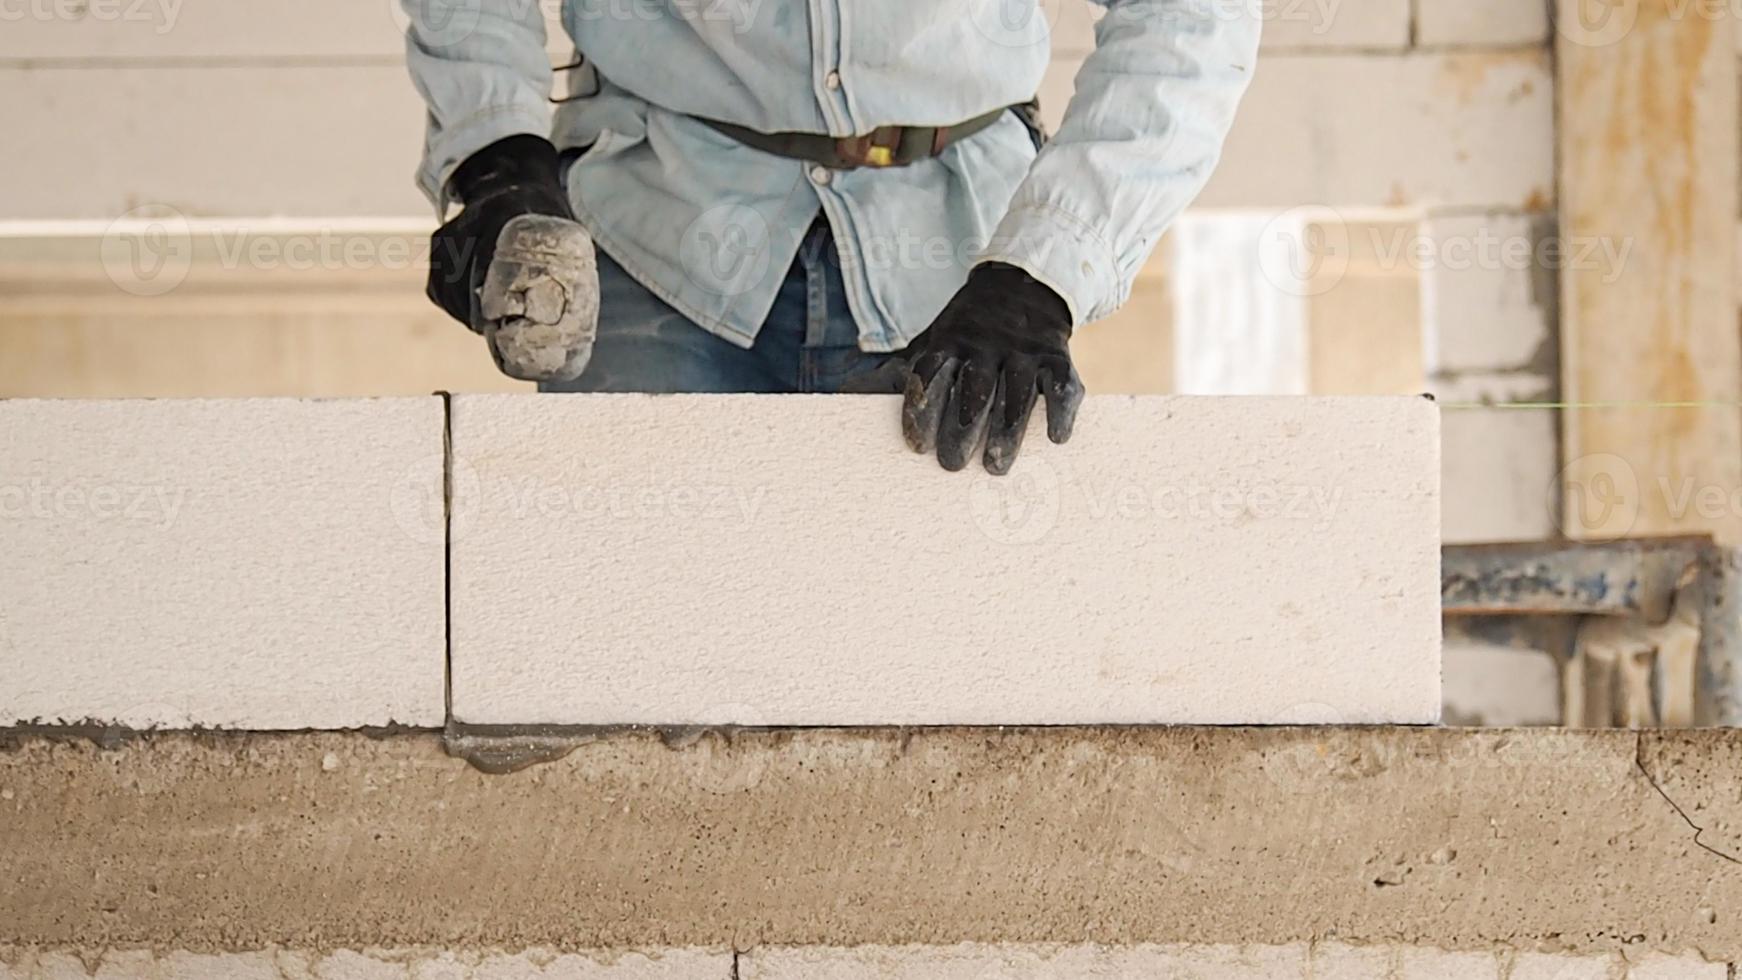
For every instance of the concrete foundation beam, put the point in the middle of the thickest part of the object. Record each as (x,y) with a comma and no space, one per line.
(1557,842)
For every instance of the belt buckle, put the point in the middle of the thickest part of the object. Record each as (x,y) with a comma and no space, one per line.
(874,149)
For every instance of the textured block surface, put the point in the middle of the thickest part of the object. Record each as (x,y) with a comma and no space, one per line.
(1458,129)
(249,564)
(1023,962)
(1289,25)
(1301,961)
(786,560)
(177,158)
(1481,22)
(369,964)
(967,961)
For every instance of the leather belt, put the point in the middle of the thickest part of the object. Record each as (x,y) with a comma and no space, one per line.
(885,146)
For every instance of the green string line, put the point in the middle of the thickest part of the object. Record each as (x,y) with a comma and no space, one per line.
(1552,406)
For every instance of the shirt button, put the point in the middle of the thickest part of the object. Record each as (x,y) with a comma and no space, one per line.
(832,80)
(820,174)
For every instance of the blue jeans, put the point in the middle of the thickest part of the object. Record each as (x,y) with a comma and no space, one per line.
(809,343)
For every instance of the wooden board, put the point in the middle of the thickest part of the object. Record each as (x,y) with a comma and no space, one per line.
(1649,163)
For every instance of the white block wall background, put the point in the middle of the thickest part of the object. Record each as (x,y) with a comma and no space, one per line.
(266,564)
(1368,101)
(788,561)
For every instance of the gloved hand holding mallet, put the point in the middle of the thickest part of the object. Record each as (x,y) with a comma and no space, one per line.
(515,266)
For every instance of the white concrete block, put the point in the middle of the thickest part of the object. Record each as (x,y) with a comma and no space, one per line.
(1488,309)
(1468,129)
(207,29)
(1490,686)
(1548,966)
(1289,25)
(1500,481)
(211,141)
(1489,297)
(183,31)
(1415,963)
(1025,962)
(238,564)
(1335,961)
(1324,961)
(1661,966)
(374,964)
(1462,129)
(1240,308)
(1301,301)
(786,560)
(1482,22)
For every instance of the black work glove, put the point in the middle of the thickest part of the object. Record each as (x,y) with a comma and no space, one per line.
(514,265)
(510,177)
(1002,342)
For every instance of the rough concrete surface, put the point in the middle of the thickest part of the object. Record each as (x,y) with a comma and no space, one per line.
(1552,841)
(1206,561)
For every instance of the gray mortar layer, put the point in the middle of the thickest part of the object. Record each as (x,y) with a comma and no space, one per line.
(1553,840)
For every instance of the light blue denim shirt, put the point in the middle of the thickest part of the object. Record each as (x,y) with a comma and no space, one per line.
(711,225)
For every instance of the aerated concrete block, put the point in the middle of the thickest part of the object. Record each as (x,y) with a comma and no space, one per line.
(373,964)
(786,560)
(1452,129)
(1482,22)
(972,961)
(238,564)
(1551,966)
(1661,966)
(1322,961)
